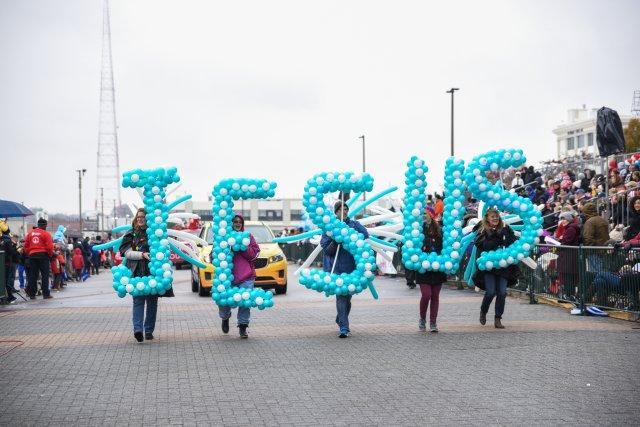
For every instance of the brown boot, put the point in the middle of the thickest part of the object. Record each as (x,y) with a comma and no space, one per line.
(498,323)
(483,318)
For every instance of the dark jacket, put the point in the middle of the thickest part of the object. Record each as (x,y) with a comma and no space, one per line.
(134,243)
(490,241)
(595,231)
(11,255)
(568,257)
(431,244)
(345,262)
(634,221)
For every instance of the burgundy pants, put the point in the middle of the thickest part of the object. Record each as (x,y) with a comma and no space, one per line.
(430,293)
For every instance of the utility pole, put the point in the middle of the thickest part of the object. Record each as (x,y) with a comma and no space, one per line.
(451,91)
(364,163)
(81,173)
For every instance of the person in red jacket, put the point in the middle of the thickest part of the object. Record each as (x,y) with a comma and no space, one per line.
(77,262)
(57,266)
(38,247)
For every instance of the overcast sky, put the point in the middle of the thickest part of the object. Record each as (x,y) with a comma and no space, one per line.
(283,89)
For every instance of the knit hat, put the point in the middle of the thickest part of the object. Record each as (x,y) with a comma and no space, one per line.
(42,223)
(567,216)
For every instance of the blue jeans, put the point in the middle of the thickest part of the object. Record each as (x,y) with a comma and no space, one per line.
(138,313)
(605,282)
(494,286)
(21,275)
(343,305)
(243,313)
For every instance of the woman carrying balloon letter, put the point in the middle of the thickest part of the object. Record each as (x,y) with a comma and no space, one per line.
(135,247)
(338,260)
(244,276)
(430,281)
(494,234)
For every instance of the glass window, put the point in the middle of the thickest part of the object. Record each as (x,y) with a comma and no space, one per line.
(205,215)
(261,233)
(590,139)
(296,215)
(570,145)
(580,140)
(269,215)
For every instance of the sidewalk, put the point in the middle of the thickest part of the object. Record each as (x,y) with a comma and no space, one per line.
(78,363)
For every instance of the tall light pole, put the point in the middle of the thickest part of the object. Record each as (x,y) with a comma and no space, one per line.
(451,91)
(364,163)
(81,173)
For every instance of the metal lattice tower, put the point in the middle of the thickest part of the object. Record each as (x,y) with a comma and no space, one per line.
(108,173)
(635,105)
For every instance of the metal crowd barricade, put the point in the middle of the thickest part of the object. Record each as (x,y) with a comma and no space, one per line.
(606,277)
(297,252)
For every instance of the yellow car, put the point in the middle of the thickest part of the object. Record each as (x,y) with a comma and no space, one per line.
(271,264)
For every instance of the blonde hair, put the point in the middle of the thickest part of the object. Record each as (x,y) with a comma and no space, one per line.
(485,220)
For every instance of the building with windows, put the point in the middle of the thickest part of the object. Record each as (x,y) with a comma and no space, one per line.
(577,136)
(276,213)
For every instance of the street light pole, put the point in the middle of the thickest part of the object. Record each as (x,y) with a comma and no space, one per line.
(451,91)
(81,173)
(364,163)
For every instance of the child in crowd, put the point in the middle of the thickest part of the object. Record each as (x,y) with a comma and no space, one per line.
(78,264)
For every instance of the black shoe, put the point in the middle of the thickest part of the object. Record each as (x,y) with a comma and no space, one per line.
(138,336)
(243,331)
(225,326)
(483,318)
(148,335)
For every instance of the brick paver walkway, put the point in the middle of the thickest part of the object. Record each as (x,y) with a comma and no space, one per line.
(73,360)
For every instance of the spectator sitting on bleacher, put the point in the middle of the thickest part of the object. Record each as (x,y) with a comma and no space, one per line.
(595,231)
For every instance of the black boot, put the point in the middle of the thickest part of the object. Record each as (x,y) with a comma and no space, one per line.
(138,336)
(483,318)
(148,335)
(243,331)
(225,326)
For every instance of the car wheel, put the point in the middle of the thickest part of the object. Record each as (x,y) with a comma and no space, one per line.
(194,282)
(281,290)
(202,291)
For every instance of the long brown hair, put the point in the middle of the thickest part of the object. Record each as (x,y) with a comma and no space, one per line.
(434,231)
(135,225)
(485,220)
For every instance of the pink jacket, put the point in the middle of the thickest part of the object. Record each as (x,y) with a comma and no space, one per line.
(243,268)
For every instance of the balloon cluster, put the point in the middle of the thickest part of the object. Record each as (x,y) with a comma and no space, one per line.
(226,241)
(351,240)
(494,195)
(413,257)
(153,183)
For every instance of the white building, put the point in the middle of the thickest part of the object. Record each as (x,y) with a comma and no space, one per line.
(578,134)
(277,213)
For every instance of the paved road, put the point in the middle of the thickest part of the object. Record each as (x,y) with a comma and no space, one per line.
(74,361)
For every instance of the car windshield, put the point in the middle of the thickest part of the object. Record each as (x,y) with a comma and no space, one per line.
(261,233)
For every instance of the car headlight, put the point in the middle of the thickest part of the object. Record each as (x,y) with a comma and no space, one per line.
(276,258)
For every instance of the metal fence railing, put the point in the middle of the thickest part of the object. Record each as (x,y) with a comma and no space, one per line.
(605,277)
